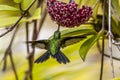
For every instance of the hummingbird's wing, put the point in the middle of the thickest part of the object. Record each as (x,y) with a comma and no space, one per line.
(43,57)
(66,41)
(43,44)
(61,58)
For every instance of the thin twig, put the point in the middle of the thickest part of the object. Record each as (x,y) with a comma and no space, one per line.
(42,20)
(102,58)
(71,1)
(31,54)
(12,27)
(103,42)
(13,65)
(95,4)
(27,45)
(40,3)
(34,30)
(8,52)
(20,7)
(116,44)
(115,58)
(35,35)
(33,47)
(106,55)
(110,37)
(27,37)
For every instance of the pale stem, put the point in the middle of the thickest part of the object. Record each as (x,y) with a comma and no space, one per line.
(110,37)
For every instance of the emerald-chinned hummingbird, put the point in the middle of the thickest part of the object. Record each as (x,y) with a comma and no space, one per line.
(53,46)
(53,49)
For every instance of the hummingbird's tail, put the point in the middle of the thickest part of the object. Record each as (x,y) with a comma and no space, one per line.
(61,58)
(43,57)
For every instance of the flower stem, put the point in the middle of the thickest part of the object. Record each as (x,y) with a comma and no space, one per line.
(71,1)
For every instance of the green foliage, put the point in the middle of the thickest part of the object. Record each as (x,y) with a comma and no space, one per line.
(25,4)
(10,14)
(96,11)
(8,8)
(36,15)
(115,17)
(116,6)
(17,1)
(78,31)
(82,31)
(7,21)
(87,44)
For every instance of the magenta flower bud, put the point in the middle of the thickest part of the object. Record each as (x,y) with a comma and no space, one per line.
(68,14)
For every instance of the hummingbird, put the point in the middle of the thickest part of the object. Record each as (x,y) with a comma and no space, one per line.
(53,46)
(53,49)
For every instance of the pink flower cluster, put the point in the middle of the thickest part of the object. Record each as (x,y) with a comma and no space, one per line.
(68,14)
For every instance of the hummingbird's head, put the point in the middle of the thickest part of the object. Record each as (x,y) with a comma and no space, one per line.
(57,34)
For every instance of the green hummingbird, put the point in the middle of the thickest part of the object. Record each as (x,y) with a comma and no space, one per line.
(53,46)
(53,49)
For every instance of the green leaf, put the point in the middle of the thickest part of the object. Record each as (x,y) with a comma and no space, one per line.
(87,44)
(25,4)
(10,20)
(78,31)
(17,1)
(74,35)
(115,26)
(8,8)
(95,11)
(67,41)
(116,6)
(7,21)
(115,22)
(36,15)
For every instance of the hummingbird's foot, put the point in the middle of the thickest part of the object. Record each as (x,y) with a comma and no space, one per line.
(43,57)
(61,58)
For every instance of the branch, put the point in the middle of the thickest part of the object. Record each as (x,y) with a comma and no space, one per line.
(13,65)
(106,55)
(31,54)
(34,37)
(27,37)
(27,45)
(110,37)
(42,20)
(8,52)
(12,27)
(103,41)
